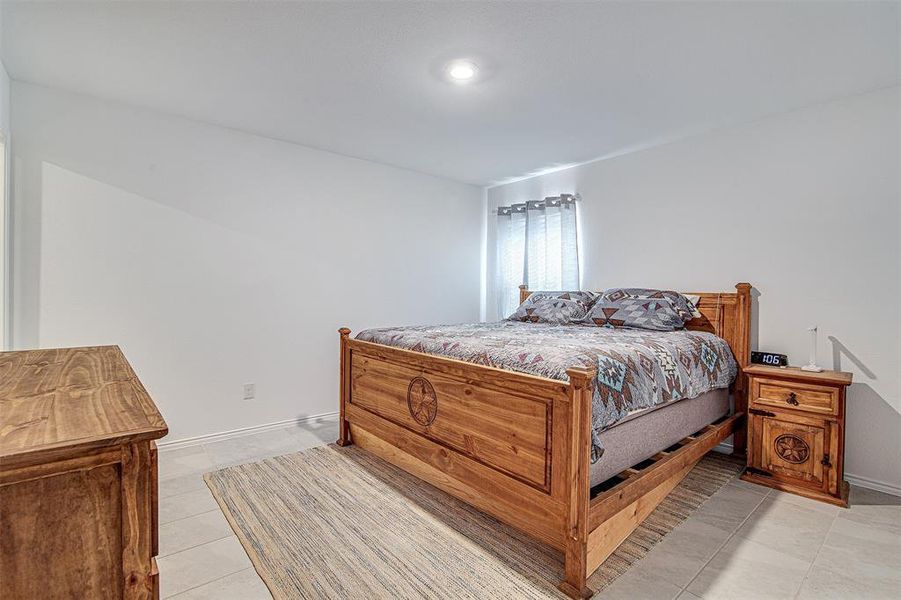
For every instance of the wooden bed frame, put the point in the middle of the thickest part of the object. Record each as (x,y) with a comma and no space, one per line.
(517,446)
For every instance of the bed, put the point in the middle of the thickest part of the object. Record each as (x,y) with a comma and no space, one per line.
(525,443)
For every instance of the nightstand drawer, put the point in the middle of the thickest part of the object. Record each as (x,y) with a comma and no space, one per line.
(818,399)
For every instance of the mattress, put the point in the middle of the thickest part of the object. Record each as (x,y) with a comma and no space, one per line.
(644,433)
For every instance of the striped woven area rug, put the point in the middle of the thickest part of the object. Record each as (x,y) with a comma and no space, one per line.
(333,522)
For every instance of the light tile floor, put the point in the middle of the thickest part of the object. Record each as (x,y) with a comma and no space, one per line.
(745,542)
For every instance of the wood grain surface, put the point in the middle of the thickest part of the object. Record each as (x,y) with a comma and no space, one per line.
(78,496)
(59,401)
(78,553)
(797,431)
(504,431)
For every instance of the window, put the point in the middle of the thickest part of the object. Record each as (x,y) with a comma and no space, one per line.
(537,246)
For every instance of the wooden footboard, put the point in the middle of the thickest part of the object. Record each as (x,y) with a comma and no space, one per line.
(513,445)
(496,439)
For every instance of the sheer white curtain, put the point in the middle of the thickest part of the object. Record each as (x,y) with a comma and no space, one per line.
(536,245)
(511,256)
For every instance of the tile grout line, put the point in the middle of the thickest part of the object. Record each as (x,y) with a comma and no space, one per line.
(219,539)
(183,493)
(726,541)
(816,556)
(164,484)
(191,474)
(203,512)
(209,582)
(194,450)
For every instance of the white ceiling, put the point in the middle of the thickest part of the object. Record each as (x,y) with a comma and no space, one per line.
(564,83)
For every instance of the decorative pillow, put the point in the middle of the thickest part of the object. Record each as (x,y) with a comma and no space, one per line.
(683,306)
(558,308)
(694,301)
(657,310)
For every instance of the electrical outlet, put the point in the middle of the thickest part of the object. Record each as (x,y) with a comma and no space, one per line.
(250,391)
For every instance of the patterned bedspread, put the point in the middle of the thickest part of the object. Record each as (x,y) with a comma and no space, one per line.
(637,368)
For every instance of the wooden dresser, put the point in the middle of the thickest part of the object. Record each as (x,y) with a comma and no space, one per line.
(796,431)
(78,476)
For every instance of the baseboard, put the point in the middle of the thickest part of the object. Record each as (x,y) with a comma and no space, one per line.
(872,484)
(236,433)
(864,482)
(723,447)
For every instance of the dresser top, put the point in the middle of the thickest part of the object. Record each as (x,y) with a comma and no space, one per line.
(62,401)
(795,373)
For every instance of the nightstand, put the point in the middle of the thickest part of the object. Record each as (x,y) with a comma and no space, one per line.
(796,431)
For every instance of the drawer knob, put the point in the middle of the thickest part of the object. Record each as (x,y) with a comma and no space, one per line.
(792,399)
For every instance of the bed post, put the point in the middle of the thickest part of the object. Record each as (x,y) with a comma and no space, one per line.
(524,293)
(581,382)
(344,390)
(742,356)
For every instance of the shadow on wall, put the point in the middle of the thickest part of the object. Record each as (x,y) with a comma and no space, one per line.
(839,350)
(755,318)
(873,444)
(323,428)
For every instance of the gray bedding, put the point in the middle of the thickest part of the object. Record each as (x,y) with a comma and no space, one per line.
(637,368)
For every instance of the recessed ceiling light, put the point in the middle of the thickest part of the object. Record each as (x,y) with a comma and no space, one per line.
(461,70)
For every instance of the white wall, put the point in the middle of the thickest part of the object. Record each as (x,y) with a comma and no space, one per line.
(216,258)
(4,208)
(805,206)
(4,86)
(4,100)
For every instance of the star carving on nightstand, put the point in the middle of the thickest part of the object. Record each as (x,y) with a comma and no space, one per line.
(791,448)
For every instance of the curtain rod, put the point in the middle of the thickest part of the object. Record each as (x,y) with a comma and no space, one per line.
(538,204)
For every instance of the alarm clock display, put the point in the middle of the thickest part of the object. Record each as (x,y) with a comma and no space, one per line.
(772,359)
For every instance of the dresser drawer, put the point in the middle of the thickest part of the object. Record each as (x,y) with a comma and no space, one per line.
(505,432)
(811,398)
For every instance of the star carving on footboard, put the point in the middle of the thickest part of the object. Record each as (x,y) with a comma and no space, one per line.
(422,401)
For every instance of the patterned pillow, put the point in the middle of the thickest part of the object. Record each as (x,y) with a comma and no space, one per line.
(683,306)
(656,310)
(693,301)
(558,308)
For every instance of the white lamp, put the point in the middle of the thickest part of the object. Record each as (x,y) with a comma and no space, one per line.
(812,364)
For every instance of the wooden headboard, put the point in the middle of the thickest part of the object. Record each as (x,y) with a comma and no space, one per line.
(728,315)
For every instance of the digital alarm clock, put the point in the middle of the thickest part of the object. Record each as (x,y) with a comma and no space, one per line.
(769,358)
